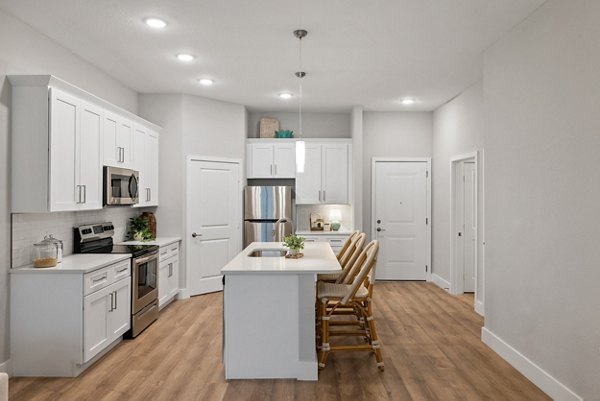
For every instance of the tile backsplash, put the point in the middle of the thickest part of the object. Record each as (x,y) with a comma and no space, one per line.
(303,215)
(29,228)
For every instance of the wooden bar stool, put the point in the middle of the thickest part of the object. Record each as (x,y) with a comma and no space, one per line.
(350,254)
(350,299)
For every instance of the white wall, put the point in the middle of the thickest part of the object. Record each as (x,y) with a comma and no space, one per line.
(392,134)
(314,124)
(26,51)
(542,192)
(457,129)
(191,126)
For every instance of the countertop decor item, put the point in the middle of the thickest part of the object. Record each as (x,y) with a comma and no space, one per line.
(151,223)
(45,253)
(316,222)
(140,228)
(335,216)
(294,243)
(59,247)
(284,133)
(268,127)
(295,256)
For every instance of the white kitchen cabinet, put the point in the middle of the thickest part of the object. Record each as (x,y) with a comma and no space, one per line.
(145,157)
(62,321)
(271,159)
(168,274)
(326,176)
(118,141)
(336,241)
(60,138)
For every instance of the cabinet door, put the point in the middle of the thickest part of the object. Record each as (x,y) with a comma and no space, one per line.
(308,183)
(119,318)
(335,173)
(96,333)
(261,161)
(151,168)
(64,129)
(163,282)
(124,140)
(174,277)
(139,164)
(284,160)
(110,133)
(90,161)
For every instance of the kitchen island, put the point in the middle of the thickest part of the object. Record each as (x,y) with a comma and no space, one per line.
(269,311)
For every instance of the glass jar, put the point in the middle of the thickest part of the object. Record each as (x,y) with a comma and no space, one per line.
(45,254)
(59,246)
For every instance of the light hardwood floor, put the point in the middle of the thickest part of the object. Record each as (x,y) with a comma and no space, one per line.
(431,348)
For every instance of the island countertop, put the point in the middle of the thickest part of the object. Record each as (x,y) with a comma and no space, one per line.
(318,258)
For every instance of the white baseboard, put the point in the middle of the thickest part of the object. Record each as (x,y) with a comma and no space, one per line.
(183,294)
(440,282)
(548,384)
(479,308)
(6,367)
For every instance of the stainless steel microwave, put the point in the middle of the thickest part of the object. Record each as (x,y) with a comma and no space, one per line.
(120,186)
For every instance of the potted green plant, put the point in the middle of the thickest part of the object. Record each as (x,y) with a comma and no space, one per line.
(294,243)
(140,228)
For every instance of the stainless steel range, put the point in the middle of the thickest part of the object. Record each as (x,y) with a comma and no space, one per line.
(97,238)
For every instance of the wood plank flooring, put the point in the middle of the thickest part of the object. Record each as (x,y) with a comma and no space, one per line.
(431,348)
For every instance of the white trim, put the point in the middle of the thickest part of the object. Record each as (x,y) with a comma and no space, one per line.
(440,282)
(479,308)
(427,160)
(184,293)
(6,367)
(548,384)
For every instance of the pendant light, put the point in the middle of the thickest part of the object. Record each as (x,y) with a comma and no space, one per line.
(300,144)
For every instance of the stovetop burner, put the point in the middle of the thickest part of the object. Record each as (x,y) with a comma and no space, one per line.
(97,238)
(134,250)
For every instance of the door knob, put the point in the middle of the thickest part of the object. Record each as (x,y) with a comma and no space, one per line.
(194,235)
(378,229)
(460,234)
(378,221)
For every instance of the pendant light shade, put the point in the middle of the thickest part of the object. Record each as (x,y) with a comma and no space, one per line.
(300,144)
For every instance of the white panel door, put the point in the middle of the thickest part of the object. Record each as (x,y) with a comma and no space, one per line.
(64,161)
(400,220)
(284,160)
(308,183)
(96,334)
(470,225)
(262,160)
(90,157)
(335,173)
(213,222)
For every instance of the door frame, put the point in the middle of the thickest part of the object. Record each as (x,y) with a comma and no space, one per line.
(427,160)
(189,160)
(457,270)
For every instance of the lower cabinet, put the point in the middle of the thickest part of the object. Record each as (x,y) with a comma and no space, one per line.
(168,274)
(336,241)
(62,320)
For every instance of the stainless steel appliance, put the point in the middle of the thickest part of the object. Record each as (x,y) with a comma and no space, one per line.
(120,186)
(267,213)
(97,238)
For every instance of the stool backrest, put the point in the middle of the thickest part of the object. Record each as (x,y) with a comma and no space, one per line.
(360,260)
(364,264)
(344,249)
(352,255)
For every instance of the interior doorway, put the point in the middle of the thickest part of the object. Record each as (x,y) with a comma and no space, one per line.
(213,220)
(465,224)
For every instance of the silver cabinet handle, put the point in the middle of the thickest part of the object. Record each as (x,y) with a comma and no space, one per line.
(112,298)
(194,235)
(271,169)
(170,269)
(97,280)
(84,193)
(149,194)
(78,193)
(116,300)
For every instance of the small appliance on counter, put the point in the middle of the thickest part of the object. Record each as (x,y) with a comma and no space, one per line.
(267,213)
(97,238)
(316,222)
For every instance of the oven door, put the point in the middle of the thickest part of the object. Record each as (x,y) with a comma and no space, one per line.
(145,282)
(120,186)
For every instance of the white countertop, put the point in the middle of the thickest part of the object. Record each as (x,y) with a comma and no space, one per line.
(160,241)
(76,263)
(318,258)
(330,233)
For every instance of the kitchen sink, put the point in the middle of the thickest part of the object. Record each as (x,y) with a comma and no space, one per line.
(268,253)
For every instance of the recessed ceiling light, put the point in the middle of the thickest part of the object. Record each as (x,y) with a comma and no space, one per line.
(185,57)
(206,81)
(286,95)
(408,101)
(155,22)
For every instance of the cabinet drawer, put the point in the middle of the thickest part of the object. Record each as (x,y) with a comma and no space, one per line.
(121,269)
(168,251)
(97,280)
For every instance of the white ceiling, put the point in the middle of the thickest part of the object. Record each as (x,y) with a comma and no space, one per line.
(357,52)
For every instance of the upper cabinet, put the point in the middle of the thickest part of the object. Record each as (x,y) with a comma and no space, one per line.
(145,160)
(61,138)
(271,159)
(326,176)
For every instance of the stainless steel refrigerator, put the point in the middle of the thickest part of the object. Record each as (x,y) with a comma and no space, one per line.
(267,213)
